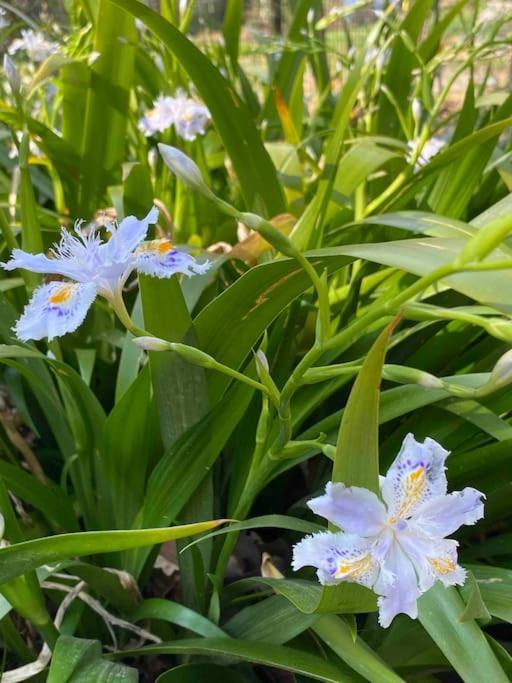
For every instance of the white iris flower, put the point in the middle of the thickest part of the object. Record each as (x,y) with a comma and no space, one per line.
(34,43)
(95,267)
(396,544)
(189,117)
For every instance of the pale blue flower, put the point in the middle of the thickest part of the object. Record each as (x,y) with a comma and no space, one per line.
(189,117)
(34,43)
(396,545)
(95,267)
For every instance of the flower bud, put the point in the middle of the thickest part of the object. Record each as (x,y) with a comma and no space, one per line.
(184,169)
(271,234)
(501,374)
(12,74)
(152,344)
(406,375)
(416,110)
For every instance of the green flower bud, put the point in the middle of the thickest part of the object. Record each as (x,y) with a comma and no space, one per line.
(184,169)
(152,344)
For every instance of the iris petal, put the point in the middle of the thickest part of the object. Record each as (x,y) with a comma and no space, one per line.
(442,515)
(417,474)
(403,595)
(433,558)
(160,259)
(338,557)
(353,509)
(130,233)
(40,263)
(55,309)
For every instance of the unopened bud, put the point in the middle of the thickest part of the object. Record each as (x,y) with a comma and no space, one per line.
(269,233)
(406,375)
(416,110)
(502,371)
(184,169)
(12,74)
(262,360)
(152,344)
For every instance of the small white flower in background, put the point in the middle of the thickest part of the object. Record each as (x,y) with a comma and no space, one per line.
(37,47)
(189,117)
(95,267)
(396,546)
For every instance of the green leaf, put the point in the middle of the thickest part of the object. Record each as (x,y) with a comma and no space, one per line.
(47,498)
(463,643)
(274,620)
(104,125)
(241,139)
(184,466)
(180,388)
(270,521)
(398,73)
(475,606)
(231,27)
(174,613)
(279,656)
(421,256)
(338,635)
(130,443)
(495,585)
(356,462)
(231,324)
(21,558)
(76,660)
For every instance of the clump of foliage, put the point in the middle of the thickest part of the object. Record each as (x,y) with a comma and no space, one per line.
(343,196)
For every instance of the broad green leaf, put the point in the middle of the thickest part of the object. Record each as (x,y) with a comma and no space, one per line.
(475,605)
(421,256)
(495,584)
(463,643)
(76,660)
(231,324)
(273,620)
(338,635)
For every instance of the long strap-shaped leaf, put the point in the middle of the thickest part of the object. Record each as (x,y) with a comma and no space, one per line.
(253,166)
(357,459)
(280,656)
(21,558)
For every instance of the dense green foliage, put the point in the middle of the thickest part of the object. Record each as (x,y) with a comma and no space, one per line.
(387,262)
